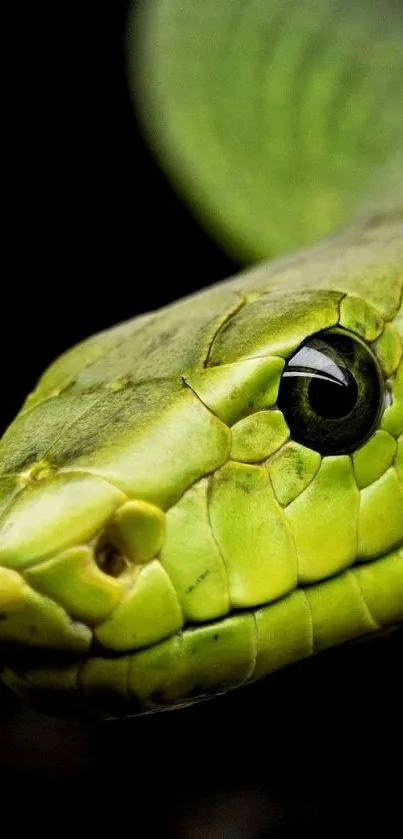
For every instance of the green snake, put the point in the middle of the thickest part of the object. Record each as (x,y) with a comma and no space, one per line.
(207,493)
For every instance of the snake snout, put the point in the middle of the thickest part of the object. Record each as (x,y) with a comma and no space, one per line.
(78,564)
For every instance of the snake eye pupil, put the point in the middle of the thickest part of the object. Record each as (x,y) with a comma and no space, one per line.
(333,400)
(331,393)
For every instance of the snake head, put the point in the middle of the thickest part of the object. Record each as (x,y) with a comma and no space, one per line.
(208,493)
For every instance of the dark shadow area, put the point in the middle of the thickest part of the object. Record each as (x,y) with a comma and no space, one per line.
(95,234)
(311,751)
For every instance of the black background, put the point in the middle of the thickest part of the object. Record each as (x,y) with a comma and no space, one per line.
(94,235)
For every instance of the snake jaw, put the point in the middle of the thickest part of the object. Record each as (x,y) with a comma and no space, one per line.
(114,604)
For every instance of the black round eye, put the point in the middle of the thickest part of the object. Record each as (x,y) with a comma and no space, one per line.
(331,393)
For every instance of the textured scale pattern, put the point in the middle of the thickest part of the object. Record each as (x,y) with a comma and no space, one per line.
(233,581)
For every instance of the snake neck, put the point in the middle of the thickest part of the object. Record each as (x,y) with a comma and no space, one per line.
(290,122)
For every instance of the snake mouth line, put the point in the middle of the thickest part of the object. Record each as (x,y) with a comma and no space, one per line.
(114,565)
(213,657)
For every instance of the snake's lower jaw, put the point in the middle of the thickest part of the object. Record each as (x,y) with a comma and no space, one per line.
(101,624)
(214,657)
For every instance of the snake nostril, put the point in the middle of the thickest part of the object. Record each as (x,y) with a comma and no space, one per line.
(134,536)
(111,561)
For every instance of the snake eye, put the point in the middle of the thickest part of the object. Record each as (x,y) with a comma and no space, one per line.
(331,393)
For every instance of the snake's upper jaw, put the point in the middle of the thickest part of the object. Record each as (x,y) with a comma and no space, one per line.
(78,568)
